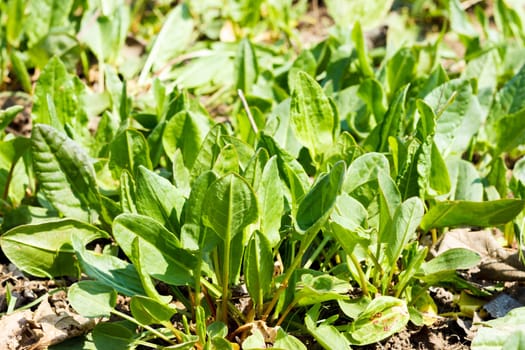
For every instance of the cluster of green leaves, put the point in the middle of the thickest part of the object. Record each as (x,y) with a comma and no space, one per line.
(312,195)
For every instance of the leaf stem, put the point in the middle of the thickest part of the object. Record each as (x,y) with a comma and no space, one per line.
(363,282)
(225,279)
(295,263)
(151,329)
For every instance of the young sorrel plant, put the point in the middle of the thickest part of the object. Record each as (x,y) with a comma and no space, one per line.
(299,215)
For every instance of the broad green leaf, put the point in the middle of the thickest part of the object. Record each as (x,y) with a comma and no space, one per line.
(318,289)
(459,21)
(371,91)
(466,213)
(270,200)
(128,150)
(466,183)
(365,169)
(42,16)
(13,174)
(391,125)
(58,93)
(178,23)
(312,118)
(459,116)
(246,68)
(502,333)
(403,228)
(65,173)
(106,34)
(400,69)
(209,150)
(92,298)
(111,335)
(258,267)
(382,317)
(185,130)
(326,335)
(317,204)
(108,269)
(147,282)
(194,235)
(289,169)
(227,161)
(45,249)
(229,206)
(426,125)
(157,198)
(368,13)
(160,253)
(287,341)
(507,132)
(149,311)
(450,260)
(127,193)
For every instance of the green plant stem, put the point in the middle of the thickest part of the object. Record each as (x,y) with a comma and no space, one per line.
(285,313)
(305,243)
(317,251)
(152,330)
(362,278)
(197,274)
(225,278)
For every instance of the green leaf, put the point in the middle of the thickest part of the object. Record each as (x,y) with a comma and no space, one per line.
(92,298)
(45,249)
(318,289)
(400,69)
(466,183)
(128,150)
(371,91)
(360,46)
(157,198)
(111,335)
(7,115)
(391,125)
(403,228)
(108,269)
(368,13)
(317,204)
(325,334)
(185,130)
(229,206)
(382,317)
(507,132)
(459,116)
(42,16)
(65,173)
(312,118)
(246,68)
(178,23)
(148,311)
(459,21)
(258,267)
(57,92)
(209,150)
(20,70)
(198,236)
(160,253)
(270,199)
(450,260)
(466,213)
(287,341)
(501,333)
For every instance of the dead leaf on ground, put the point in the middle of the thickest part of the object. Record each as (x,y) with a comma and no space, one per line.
(46,326)
(497,263)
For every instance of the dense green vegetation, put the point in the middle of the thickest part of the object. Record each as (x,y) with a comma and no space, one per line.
(278,192)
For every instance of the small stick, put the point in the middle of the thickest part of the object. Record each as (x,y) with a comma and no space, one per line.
(247,109)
